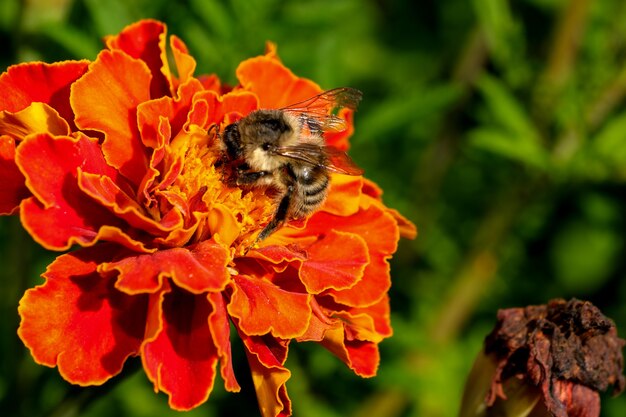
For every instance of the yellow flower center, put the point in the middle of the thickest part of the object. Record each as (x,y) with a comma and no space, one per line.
(234,216)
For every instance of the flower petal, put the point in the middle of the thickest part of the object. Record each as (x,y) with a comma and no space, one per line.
(358,326)
(185,63)
(220,329)
(13,189)
(240,103)
(197,269)
(572,399)
(262,307)
(273,83)
(380,231)
(320,323)
(181,360)
(277,254)
(61,214)
(362,357)
(371,288)
(336,261)
(36,118)
(102,189)
(407,228)
(344,195)
(106,99)
(27,83)
(380,313)
(266,357)
(78,321)
(145,40)
(372,189)
(175,111)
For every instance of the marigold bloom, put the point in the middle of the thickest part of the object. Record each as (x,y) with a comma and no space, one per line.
(113,155)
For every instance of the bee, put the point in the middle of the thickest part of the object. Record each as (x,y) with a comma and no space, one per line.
(285,150)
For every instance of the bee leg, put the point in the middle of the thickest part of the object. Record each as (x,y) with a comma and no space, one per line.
(279,216)
(250,177)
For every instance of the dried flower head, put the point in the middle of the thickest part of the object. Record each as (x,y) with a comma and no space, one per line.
(547,360)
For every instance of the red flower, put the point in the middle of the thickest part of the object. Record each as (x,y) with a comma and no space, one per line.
(113,155)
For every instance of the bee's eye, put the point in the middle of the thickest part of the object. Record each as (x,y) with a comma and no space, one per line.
(265,146)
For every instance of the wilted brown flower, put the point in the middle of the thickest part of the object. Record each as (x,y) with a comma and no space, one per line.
(547,360)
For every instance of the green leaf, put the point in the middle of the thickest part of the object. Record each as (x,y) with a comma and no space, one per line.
(517,148)
(609,142)
(510,132)
(402,110)
(506,108)
(9,13)
(584,255)
(79,44)
(215,16)
(110,16)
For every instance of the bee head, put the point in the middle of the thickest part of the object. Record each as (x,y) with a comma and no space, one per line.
(262,132)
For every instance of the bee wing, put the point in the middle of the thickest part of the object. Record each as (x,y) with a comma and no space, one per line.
(319,113)
(341,163)
(333,159)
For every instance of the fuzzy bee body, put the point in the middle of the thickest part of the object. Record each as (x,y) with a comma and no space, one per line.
(284,149)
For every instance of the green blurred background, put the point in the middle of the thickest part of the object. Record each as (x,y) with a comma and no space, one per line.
(498,127)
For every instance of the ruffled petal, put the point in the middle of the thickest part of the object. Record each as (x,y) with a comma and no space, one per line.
(261,307)
(151,114)
(360,356)
(273,83)
(145,40)
(219,325)
(102,189)
(106,99)
(266,357)
(277,254)
(372,189)
(380,232)
(375,283)
(374,224)
(336,261)
(320,323)
(24,84)
(234,104)
(13,189)
(407,228)
(181,359)
(185,63)
(344,195)
(197,269)
(36,118)
(60,214)
(79,322)
(380,314)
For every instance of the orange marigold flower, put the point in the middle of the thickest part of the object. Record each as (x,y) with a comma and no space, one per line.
(113,155)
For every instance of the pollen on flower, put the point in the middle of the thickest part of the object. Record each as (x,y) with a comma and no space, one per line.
(235,215)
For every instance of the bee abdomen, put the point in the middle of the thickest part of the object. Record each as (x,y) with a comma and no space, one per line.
(314,195)
(315,187)
(315,199)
